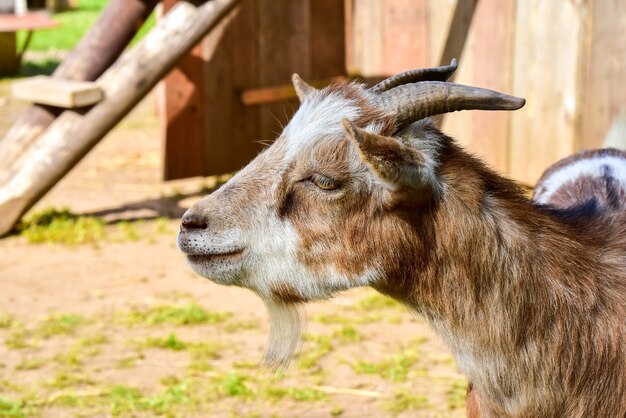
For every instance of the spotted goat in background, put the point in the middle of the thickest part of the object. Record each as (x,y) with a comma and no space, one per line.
(361,189)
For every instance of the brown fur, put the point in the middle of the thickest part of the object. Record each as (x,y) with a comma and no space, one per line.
(530,299)
(588,193)
(540,292)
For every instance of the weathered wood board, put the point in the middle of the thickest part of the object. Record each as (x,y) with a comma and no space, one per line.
(57,92)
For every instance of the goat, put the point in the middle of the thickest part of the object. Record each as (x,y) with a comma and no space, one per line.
(361,189)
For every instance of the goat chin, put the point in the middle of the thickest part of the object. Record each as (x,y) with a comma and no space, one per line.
(286,325)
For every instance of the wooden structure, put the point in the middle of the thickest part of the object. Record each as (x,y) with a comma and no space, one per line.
(10,57)
(209,128)
(37,167)
(565,57)
(57,92)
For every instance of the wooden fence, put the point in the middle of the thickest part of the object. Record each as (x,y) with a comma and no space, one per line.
(566,57)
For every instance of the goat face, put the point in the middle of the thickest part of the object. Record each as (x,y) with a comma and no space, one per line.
(291,225)
(325,207)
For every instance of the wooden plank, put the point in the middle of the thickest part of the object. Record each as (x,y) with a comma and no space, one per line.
(231,65)
(183,114)
(547,54)
(440,15)
(9,63)
(28,21)
(405,25)
(368,37)
(487,62)
(74,134)
(57,92)
(603,94)
(326,42)
(263,95)
(278,57)
(457,32)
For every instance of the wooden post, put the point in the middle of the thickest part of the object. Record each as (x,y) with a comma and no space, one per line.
(70,137)
(97,50)
(8,54)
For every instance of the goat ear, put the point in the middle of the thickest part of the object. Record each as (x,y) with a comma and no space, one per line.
(302,88)
(403,169)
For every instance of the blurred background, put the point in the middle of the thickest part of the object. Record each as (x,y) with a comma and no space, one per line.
(99,316)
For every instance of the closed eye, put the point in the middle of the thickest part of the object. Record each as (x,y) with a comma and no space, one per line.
(324,182)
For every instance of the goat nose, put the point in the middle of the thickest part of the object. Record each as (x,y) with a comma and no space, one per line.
(192,221)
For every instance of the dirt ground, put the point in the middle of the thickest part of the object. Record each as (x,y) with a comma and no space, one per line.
(121,327)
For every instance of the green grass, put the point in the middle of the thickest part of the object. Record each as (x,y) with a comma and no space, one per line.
(64,324)
(396,368)
(456,395)
(10,409)
(170,343)
(73,24)
(404,400)
(191,314)
(61,226)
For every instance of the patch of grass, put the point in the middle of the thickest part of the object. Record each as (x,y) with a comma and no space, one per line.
(128,231)
(64,379)
(161,226)
(321,345)
(395,369)
(190,314)
(201,355)
(456,395)
(240,325)
(64,324)
(32,363)
(336,411)
(275,394)
(73,24)
(6,321)
(42,67)
(18,339)
(61,226)
(171,398)
(376,301)
(170,343)
(347,334)
(403,400)
(125,399)
(11,409)
(234,384)
(330,319)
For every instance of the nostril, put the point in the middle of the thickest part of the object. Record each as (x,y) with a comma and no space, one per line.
(193,221)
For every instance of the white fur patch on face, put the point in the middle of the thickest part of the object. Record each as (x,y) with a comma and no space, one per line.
(318,117)
(275,262)
(589,167)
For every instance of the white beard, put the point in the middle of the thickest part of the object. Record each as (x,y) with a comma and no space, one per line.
(286,324)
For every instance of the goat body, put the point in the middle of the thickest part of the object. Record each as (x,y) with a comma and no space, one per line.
(530,297)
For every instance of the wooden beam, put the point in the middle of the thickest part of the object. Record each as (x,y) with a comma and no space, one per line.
(74,134)
(272,94)
(67,94)
(9,63)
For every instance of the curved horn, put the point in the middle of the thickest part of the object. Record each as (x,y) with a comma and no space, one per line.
(302,88)
(423,74)
(417,101)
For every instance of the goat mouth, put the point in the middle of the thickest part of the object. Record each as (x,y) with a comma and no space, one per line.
(230,256)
